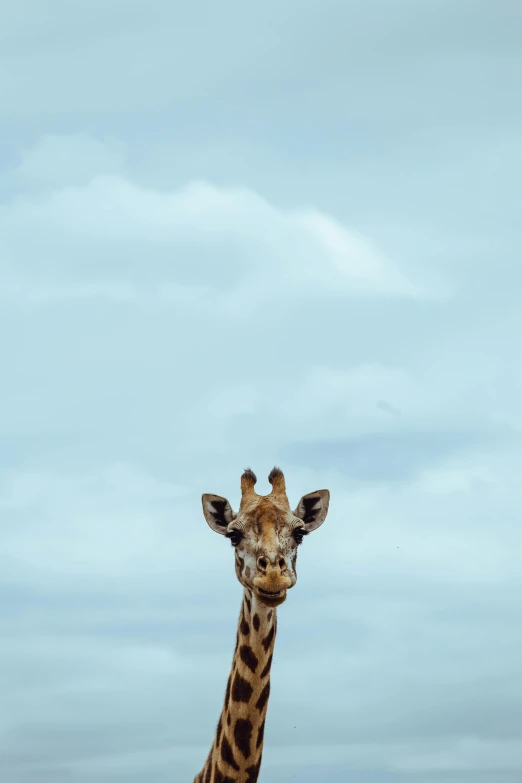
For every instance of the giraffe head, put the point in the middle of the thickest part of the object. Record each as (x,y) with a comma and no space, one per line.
(265,533)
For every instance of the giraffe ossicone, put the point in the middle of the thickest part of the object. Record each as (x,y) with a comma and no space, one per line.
(265,535)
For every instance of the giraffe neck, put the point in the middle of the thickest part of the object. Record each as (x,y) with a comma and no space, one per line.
(235,756)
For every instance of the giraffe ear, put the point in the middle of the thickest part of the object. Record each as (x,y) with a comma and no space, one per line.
(313,508)
(218,512)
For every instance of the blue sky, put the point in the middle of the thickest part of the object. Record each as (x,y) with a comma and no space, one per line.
(237,234)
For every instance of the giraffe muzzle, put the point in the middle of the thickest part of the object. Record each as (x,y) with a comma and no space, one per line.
(272,591)
(269,598)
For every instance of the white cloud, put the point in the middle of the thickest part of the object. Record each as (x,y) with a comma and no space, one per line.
(452,756)
(468,753)
(90,232)
(316,401)
(60,160)
(113,524)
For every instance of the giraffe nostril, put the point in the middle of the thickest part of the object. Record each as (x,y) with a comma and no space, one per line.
(282,564)
(262,563)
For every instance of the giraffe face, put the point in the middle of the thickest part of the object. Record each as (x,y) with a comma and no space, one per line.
(265,534)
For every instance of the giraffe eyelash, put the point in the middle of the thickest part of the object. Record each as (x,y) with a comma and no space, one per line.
(299,533)
(234,536)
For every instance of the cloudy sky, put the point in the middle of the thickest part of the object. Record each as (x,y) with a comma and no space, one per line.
(243,234)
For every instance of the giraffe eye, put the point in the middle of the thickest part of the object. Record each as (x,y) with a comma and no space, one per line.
(299,534)
(235,537)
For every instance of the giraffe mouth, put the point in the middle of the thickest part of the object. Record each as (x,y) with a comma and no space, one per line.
(271,597)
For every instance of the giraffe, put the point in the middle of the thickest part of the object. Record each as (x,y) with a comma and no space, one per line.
(265,534)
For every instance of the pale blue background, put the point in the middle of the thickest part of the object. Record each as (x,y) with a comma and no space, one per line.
(243,234)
